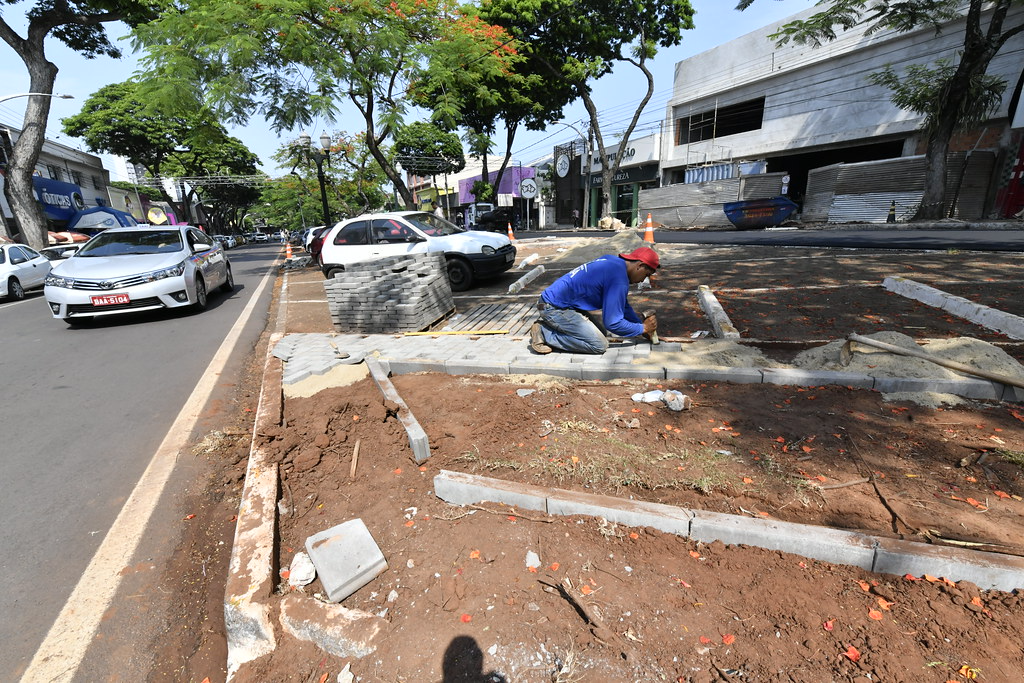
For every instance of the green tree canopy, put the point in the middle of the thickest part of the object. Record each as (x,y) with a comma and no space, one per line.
(426,150)
(295,61)
(116,119)
(949,96)
(579,41)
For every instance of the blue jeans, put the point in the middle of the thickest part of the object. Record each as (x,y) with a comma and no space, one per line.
(572,331)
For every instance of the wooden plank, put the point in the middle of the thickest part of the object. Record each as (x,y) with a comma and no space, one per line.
(473,318)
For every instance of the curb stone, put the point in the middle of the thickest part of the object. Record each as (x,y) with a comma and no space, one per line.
(873,553)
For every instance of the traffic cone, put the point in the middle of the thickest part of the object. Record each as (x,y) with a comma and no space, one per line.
(511,237)
(288,250)
(891,218)
(649,230)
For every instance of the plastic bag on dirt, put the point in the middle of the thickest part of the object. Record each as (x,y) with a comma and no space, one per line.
(301,572)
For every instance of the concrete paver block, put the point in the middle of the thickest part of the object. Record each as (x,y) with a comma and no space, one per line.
(459,488)
(986,570)
(735,375)
(969,388)
(476,366)
(623,371)
(814,378)
(336,630)
(667,518)
(819,543)
(346,558)
(540,365)
(404,366)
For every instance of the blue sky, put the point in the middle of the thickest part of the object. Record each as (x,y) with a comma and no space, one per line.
(617,94)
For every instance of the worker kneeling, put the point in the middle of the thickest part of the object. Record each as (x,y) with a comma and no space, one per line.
(580,308)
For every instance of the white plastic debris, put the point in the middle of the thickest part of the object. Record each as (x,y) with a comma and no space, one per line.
(676,401)
(393,595)
(643,285)
(532,560)
(649,396)
(301,572)
(492,650)
(346,676)
(522,393)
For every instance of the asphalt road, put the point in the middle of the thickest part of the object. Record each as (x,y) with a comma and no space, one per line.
(83,411)
(847,238)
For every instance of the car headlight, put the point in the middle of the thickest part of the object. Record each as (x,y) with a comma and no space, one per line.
(173,271)
(59,281)
(487,249)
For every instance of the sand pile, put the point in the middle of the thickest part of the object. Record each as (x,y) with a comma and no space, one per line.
(879,363)
(711,353)
(589,249)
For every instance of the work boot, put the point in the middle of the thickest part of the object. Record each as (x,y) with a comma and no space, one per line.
(537,342)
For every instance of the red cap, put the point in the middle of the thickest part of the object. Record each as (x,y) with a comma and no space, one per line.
(644,255)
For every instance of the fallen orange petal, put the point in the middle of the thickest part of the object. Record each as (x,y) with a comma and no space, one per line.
(586,590)
(853,653)
(885,604)
(976,601)
(728,639)
(465,618)
(865,586)
(705,640)
(397,470)
(694,554)
(875,614)
(555,566)
(829,625)
(634,535)
(474,555)
(748,480)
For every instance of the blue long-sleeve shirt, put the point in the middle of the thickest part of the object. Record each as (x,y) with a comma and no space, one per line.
(599,285)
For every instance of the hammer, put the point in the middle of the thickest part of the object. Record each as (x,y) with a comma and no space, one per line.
(654,335)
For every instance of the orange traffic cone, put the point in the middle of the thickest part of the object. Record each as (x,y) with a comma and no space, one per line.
(649,230)
(511,237)
(288,250)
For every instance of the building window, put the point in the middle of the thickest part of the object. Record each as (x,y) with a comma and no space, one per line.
(54,172)
(717,123)
(76,178)
(97,183)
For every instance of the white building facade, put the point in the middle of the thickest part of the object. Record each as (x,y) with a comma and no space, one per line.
(796,108)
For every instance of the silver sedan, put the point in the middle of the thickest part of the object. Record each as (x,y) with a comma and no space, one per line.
(137,269)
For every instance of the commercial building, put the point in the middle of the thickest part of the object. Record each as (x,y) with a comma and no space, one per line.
(814,124)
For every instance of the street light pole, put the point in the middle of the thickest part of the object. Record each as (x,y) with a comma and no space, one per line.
(39,94)
(319,156)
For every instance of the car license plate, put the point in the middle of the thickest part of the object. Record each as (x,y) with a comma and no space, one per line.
(111,299)
(509,258)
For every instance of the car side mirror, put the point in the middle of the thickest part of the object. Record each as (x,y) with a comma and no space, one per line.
(414,238)
(201,246)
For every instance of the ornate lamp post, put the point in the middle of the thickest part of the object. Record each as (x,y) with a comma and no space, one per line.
(319,156)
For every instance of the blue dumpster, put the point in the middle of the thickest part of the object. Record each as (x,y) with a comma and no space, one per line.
(759,213)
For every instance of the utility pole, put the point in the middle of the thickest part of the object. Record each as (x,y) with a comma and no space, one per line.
(585,218)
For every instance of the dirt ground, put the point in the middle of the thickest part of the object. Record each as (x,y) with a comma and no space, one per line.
(609,603)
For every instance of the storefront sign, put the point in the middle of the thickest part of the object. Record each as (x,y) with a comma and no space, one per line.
(60,200)
(625,176)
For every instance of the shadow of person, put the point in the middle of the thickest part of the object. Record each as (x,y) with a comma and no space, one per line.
(464,663)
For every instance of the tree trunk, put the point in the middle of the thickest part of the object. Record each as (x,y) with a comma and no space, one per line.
(18,187)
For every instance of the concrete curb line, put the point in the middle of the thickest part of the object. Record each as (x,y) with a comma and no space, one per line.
(247,622)
(417,436)
(1000,321)
(724,329)
(873,553)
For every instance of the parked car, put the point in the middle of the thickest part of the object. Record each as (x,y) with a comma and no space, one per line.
(497,220)
(60,251)
(228,241)
(138,269)
(471,255)
(21,268)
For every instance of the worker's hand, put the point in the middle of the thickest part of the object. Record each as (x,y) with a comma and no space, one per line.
(650,324)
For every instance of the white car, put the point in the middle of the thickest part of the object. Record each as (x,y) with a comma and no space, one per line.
(61,251)
(21,268)
(470,255)
(260,237)
(138,269)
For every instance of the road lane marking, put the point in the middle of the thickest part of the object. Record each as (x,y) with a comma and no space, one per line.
(67,641)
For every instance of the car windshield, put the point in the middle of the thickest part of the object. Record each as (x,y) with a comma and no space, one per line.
(133,242)
(432,225)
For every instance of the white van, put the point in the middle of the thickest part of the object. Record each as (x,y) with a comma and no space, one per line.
(470,255)
(474,211)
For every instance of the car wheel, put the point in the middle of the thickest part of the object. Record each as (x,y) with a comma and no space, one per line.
(460,275)
(200,303)
(334,272)
(15,291)
(229,282)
